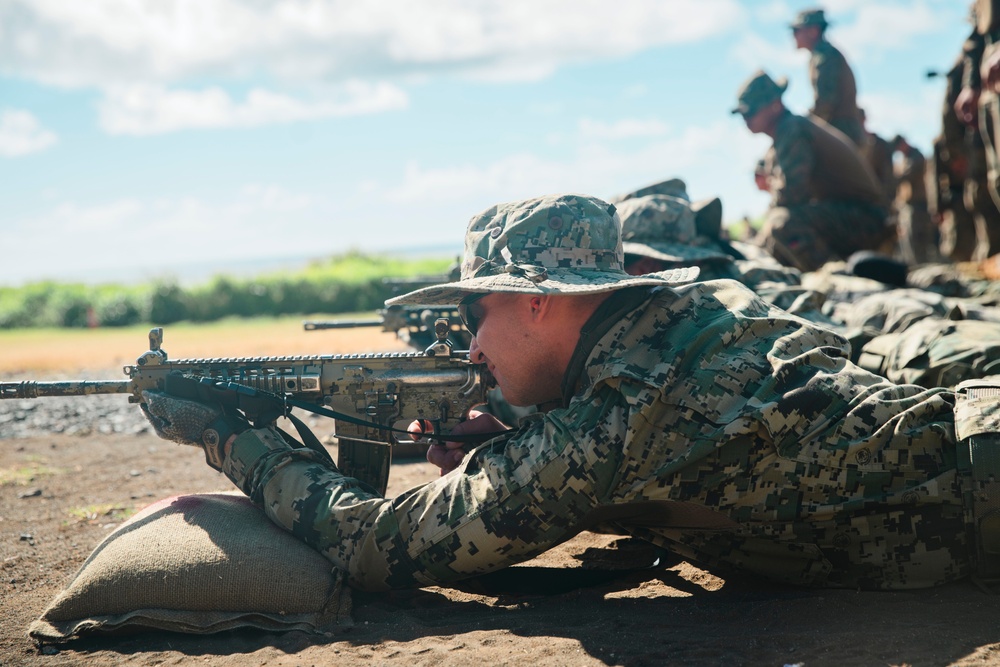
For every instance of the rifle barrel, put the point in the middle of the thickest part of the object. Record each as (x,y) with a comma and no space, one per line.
(340,324)
(78,388)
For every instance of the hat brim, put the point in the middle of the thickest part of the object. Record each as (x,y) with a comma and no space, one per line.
(559,281)
(673,252)
(797,26)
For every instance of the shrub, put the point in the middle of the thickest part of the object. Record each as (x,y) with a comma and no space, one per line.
(167,304)
(348,283)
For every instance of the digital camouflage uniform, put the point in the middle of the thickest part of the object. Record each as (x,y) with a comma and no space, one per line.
(949,170)
(809,223)
(826,203)
(918,240)
(956,339)
(697,417)
(985,42)
(908,335)
(835,91)
(702,420)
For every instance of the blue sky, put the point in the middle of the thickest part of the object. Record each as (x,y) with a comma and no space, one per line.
(138,138)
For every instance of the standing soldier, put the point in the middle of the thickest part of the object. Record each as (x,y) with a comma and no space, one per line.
(832,79)
(917,235)
(825,202)
(949,173)
(979,102)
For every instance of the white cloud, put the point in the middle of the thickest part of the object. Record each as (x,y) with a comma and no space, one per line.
(627,128)
(107,42)
(21,134)
(153,109)
(707,158)
(161,232)
(775,11)
(778,59)
(417,207)
(915,114)
(69,219)
(879,29)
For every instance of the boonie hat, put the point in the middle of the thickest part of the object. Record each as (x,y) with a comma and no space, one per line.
(759,91)
(810,17)
(672,186)
(666,228)
(557,244)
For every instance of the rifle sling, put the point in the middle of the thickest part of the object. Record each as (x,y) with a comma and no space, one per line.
(249,400)
(309,438)
(472,438)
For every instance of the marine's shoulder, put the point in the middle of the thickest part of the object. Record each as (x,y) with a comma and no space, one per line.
(697,304)
(824,50)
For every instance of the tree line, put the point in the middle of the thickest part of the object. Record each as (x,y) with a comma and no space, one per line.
(353,282)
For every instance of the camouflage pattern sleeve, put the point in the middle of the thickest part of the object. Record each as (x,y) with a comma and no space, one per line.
(509,501)
(826,72)
(794,161)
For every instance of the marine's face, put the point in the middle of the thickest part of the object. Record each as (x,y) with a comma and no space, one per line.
(760,180)
(755,120)
(806,36)
(506,341)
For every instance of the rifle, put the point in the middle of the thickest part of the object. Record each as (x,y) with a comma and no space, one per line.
(412,324)
(367,395)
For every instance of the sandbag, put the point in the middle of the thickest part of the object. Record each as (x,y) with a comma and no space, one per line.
(198,564)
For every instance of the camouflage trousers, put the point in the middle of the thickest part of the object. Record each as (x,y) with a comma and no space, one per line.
(918,236)
(958,230)
(988,225)
(808,236)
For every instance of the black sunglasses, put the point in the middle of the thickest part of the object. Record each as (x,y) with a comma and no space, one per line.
(471,312)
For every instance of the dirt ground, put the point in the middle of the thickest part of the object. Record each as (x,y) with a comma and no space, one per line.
(61,494)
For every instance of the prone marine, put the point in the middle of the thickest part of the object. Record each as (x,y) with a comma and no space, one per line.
(692,415)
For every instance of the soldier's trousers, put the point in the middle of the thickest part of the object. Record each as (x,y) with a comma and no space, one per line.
(809,235)
(918,237)
(958,230)
(989,126)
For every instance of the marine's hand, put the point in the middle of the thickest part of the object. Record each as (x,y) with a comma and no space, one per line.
(967,106)
(448,456)
(192,423)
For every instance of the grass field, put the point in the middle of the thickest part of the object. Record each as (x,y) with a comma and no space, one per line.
(54,352)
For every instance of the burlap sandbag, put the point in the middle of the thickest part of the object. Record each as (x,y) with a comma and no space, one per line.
(198,564)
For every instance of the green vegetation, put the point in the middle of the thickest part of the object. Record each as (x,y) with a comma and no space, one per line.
(34,470)
(93,513)
(739,231)
(348,283)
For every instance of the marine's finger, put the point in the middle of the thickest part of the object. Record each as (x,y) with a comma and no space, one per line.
(444,458)
(418,428)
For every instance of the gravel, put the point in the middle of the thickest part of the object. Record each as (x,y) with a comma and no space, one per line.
(82,415)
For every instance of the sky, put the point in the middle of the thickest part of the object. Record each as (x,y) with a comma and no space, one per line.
(150,138)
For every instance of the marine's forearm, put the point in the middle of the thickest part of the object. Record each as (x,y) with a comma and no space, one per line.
(492,512)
